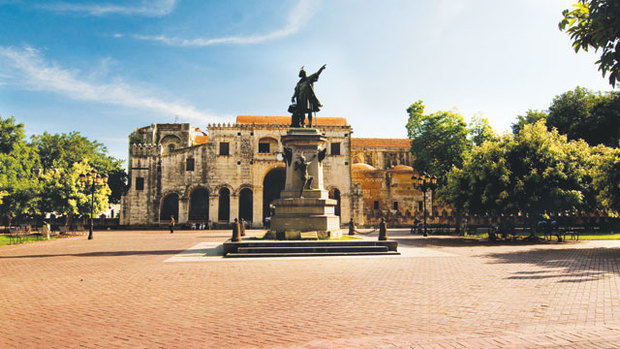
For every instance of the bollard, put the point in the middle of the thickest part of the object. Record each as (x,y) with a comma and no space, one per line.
(236,232)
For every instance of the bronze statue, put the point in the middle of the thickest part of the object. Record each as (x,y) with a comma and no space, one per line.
(304,100)
(302,165)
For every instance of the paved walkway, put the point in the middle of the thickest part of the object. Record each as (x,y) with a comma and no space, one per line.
(118,291)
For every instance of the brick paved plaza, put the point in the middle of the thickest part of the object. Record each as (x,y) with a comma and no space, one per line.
(118,291)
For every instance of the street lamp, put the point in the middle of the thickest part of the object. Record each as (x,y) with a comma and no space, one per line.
(92,181)
(424,183)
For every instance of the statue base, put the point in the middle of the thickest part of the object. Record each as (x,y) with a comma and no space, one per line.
(310,209)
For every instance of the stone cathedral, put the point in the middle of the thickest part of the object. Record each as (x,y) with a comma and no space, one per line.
(235,170)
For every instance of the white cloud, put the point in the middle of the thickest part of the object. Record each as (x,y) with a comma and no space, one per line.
(27,68)
(155,8)
(295,21)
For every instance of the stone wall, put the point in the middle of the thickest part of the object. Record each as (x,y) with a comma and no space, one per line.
(165,171)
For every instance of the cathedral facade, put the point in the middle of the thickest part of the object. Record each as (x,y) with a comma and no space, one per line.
(229,171)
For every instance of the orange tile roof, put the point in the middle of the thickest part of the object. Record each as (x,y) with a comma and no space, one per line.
(403,143)
(286,120)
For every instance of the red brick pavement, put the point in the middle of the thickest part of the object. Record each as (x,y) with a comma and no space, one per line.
(116,291)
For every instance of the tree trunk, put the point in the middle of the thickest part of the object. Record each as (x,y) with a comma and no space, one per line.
(458,217)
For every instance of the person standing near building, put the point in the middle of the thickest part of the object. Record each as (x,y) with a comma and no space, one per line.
(171,224)
(242,226)
(382,230)
(351,227)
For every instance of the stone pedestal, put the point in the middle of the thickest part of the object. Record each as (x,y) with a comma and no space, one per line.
(308,209)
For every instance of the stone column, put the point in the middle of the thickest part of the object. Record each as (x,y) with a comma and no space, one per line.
(234,206)
(214,202)
(257,209)
(306,208)
(183,210)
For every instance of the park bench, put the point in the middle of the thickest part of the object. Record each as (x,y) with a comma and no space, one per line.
(18,234)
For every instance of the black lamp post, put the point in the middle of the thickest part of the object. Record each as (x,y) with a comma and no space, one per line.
(92,180)
(424,182)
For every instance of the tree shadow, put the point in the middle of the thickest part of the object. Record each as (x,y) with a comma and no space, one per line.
(456,241)
(100,254)
(567,264)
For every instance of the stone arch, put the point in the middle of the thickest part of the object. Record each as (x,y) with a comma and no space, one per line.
(273,144)
(243,186)
(246,203)
(170,142)
(217,188)
(199,204)
(271,168)
(334,193)
(169,207)
(223,214)
(273,184)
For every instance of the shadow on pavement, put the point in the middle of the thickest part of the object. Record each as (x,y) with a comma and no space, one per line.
(99,254)
(567,264)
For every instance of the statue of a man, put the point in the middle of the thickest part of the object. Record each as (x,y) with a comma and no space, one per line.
(301,165)
(304,100)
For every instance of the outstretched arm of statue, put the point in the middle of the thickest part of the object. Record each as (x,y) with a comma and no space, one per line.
(314,77)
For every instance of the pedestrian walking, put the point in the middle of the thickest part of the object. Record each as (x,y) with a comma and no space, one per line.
(171,224)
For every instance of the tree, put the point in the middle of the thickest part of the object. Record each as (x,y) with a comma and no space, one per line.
(535,172)
(606,178)
(583,114)
(480,131)
(530,117)
(65,195)
(61,151)
(596,24)
(438,141)
(19,183)
(11,134)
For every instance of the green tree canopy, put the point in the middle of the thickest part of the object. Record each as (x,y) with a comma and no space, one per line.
(596,24)
(438,140)
(480,131)
(534,172)
(19,163)
(606,177)
(64,193)
(583,114)
(61,151)
(530,117)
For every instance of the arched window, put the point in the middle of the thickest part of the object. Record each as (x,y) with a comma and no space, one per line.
(169,208)
(334,193)
(170,143)
(267,145)
(246,201)
(223,214)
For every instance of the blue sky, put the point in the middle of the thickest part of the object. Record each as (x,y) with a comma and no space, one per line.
(106,67)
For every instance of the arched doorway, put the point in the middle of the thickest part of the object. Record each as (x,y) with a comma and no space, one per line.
(224,205)
(273,184)
(246,200)
(199,205)
(169,207)
(334,193)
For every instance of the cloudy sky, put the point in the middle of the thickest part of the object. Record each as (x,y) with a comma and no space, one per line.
(104,68)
